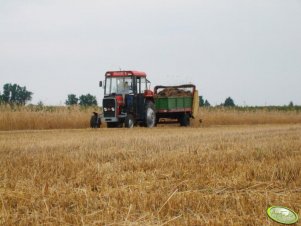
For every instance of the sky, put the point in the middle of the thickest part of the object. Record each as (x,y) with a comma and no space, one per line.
(249,50)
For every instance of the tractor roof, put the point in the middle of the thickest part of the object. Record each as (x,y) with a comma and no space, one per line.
(125,73)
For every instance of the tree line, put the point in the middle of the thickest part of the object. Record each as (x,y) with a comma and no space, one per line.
(82,100)
(14,94)
(229,102)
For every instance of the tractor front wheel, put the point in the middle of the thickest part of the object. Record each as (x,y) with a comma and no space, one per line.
(95,121)
(129,121)
(150,114)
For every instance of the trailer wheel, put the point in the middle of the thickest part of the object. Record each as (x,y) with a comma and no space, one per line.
(129,121)
(150,114)
(185,120)
(95,121)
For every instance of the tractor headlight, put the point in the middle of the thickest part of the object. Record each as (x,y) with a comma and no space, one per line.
(113,109)
(105,109)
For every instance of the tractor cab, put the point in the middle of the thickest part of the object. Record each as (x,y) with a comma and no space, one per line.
(126,94)
(125,82)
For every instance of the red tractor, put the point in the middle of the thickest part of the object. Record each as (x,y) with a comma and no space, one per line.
(127,100)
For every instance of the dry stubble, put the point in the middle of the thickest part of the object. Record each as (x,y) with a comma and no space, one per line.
(161,176)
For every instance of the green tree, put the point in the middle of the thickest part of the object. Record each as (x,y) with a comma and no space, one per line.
(201,101)
(15,94)
(291,104)
(229,102)
(71,100)
(39,106)
(207,104)
(1,99)
(87,100)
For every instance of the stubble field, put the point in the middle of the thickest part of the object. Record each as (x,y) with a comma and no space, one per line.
(218,175)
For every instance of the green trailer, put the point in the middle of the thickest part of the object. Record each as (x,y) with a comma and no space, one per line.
(179,103)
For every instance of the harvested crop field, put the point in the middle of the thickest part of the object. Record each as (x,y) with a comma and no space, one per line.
(220,175)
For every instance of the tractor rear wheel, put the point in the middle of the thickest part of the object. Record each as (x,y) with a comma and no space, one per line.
(150,114)
(129,121)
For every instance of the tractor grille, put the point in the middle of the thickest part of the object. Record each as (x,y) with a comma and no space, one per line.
(108,105)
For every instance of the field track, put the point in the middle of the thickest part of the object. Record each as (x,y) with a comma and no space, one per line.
(219,175)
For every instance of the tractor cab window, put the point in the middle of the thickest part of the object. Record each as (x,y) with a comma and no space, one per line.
(108,84)
(127,86)
(141,84)
(118,85)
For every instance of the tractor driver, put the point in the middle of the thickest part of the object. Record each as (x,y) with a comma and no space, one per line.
(126,87)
